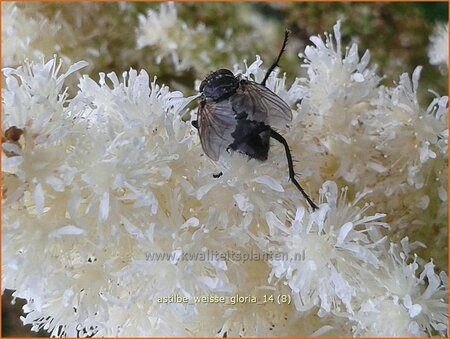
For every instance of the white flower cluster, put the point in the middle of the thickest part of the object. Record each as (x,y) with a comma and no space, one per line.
(73,31)
(347,270)
(438,49)
(22,34)
(167,36)
(350,128)
(98,188)
(171,37)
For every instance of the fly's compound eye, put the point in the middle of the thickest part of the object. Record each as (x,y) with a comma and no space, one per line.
(202,85)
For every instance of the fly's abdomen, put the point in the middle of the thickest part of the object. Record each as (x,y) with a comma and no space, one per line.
(251,138)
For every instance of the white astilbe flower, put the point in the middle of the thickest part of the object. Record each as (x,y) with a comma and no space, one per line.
(350,128)
(34,101)
(165,35)
(22,35)
(374,137)
(116,175)
(339,75)
(73,31)
(438,49)
(414,304)
(35,96)
(328,129)
(169,36)
(335,127)
(329,252)
(110,206)
(337,261)
(109,176)
(413,143)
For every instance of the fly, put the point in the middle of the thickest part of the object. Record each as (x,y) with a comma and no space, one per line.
(237,114)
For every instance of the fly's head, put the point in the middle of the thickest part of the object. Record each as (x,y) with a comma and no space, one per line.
(219,85)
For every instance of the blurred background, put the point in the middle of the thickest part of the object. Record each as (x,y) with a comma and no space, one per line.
(181,43)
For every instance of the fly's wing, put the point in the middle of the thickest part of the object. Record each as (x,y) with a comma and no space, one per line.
(261,104)
(216,123)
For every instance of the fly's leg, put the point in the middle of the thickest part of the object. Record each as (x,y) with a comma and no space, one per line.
(282,140)
(275,64)
(218,175)
(195,124)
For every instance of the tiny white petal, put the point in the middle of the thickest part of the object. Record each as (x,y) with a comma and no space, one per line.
(243,202)
(204,189)
(358,77)
(415,310)
(55,183)
(39,198)
(343,232)
(67,231)
(191,222)
(11,148)
(270,182)
(10,165)
(376,167)
(175,256)
(104,207)
(132,229)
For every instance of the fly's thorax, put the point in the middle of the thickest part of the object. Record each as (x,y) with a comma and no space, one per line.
(219,85)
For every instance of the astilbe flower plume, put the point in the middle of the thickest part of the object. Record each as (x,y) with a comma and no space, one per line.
(100,182)
(370,136)
(438,49)
(346,268)
(171,37)
(21,35)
